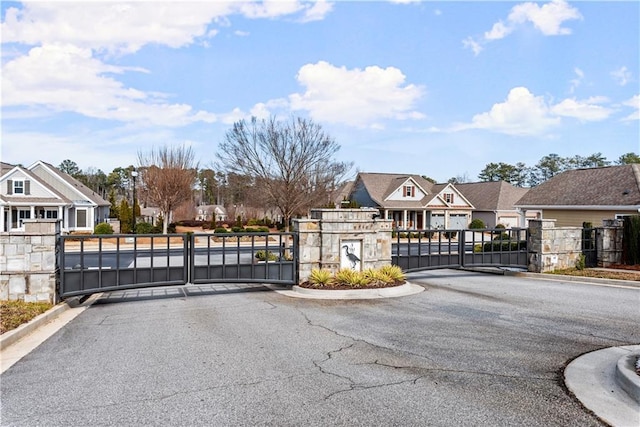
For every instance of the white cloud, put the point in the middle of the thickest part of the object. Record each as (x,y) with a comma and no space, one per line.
(587,110)
(355,97)
(472,44)
(548,19)
(66,78)
(521,114)
(577,81)
(317,11)
(633,102)
(126,27)
(622,76)
(524,114)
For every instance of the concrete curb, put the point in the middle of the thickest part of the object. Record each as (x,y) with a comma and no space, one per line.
(563,278)
(395,291)
(592,378)
(10,337)
(626,375)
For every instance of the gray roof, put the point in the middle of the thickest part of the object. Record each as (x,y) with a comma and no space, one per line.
(381,185)
(492,195)
(606,186)
(86,191)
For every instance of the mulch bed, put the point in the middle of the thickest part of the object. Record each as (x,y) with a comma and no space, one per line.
(344,286)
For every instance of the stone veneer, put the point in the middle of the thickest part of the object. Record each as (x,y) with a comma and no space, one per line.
(320,238)
(28,262)
(556,248)
(609,242)
(552,248)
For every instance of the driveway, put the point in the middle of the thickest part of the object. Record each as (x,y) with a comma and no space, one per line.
(474,349)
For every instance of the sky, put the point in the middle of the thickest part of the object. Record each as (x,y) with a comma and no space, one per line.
(438,89)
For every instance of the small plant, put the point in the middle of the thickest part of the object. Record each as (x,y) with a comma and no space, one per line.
(103,228)
(477,224)
(350,277)
(320,277)
(219,230)
(581,262)
(237,229)
(263,255)
(393,272)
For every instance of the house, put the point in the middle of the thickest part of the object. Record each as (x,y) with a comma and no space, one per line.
(494,203)
(412,201)
(43,191)
(211,213)
(586,195)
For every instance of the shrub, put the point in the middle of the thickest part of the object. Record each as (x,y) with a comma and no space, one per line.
(631,240)
(450,234)
(103,228)
(220,230)
(145,228)
(320,277)
(237,229)
(263,255)
(502,236)
(392,272)
(350,277)
(581,262)
(500,226)
(477,223)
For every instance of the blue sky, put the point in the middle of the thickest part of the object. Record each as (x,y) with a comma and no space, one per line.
(433,88)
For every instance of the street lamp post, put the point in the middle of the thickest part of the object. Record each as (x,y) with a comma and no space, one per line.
(134,174)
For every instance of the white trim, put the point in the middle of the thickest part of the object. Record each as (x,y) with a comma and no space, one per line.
(578,208)
(83,197)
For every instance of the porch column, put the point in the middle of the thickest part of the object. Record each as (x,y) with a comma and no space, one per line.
(424,219)
(404,219)
(2,219)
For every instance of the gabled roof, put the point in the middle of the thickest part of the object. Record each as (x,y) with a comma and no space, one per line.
(492,195)
(606,187)
(73,183)
(381,185)
(56,197)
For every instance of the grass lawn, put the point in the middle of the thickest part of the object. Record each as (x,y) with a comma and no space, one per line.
(15,313)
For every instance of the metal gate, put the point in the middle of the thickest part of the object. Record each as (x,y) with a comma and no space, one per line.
(100,263)
(416,250)
(244,257)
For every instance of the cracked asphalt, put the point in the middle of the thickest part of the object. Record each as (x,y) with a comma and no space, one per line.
(474,349)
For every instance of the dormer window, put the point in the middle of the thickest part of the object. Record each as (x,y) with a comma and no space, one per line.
(409,191)
(448,197)
(18,187)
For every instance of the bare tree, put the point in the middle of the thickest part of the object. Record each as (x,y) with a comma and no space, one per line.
(291,162)
(167,178)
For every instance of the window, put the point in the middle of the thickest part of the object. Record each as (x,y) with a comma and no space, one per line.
(448,197)
(48,213)
(81,218)
(408,191)
(18,187)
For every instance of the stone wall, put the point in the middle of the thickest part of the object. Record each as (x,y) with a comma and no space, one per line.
(322,239)
(556,248)
(28,262)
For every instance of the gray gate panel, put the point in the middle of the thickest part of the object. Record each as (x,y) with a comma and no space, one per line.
(416,250)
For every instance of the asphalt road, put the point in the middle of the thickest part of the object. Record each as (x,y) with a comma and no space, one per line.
(473,349)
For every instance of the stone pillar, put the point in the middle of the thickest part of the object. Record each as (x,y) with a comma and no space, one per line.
(609,242)
(332,239)
(28,262)
(552,248)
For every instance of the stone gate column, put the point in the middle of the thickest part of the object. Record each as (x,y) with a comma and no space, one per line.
(332,239)
(28,262)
